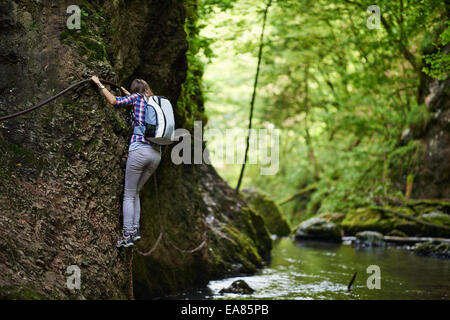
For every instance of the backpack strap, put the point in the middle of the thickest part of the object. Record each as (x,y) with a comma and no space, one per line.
(165,120)
(139,130)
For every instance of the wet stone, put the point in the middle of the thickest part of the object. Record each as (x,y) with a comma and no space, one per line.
(239,287)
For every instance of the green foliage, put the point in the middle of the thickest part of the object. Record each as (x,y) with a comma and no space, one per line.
(190,103)
(439,65)
(404,159)
(439,62)
(334,88)
(268,209)
(418,118)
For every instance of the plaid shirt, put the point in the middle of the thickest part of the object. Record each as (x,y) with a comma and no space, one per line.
(138,103)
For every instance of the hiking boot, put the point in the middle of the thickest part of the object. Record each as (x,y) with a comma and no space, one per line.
(136,235)
(125,241)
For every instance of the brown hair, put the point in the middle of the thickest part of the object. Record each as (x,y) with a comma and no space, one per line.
(141,86)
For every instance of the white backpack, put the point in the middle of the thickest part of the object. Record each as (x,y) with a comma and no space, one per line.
(159,121)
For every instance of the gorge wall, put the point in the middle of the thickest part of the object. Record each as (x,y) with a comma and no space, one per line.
(62,166)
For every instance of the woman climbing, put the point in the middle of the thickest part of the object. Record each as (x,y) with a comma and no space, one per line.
(143,158)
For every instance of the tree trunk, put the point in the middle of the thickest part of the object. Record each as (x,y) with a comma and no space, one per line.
(252,102)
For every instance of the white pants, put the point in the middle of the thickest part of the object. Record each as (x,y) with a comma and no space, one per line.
(141,164)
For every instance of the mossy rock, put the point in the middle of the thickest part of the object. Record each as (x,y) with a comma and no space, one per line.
(396,233)
(19,293)
(430,205)
(363,219)
(437,217)
(268,209)
(318,229)
(253,224)
(238,287)
(440,250)
(334,217)
(87,39)
(370,239)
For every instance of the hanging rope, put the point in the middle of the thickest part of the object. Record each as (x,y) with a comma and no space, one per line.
(149,252)
(163,234)
(200,246)
(71,87)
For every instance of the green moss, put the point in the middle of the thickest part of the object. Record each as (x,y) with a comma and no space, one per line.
(16,156)
(418,119)
(257,229)
(93,23)
(190,105)
(441,250)
(65,34)
(241,249)
(332,216)
(403,161)
(396,233)
(19,293)
(237,253)
(425,206)
(269,210)
(90,46)
(366,219)
(437,217)
(93,47)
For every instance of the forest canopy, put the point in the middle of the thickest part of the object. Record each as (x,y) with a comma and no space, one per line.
(342,85)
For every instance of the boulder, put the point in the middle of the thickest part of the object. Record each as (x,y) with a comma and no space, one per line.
(370,239)
(396,233)
(431,212)
(440,250)
(318,229)
(268,209)
(239,287)
(335,217)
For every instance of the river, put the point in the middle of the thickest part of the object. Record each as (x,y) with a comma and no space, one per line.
(319,270)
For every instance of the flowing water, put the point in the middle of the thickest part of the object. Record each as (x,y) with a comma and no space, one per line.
(317,270)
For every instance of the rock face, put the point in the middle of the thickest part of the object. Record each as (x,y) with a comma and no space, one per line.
(269,210)
(239,287)
(318,229)
(62,166)
(429,166)
(433,175)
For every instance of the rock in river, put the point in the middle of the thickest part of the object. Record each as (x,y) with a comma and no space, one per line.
(370,239)
(440,250)
(238,286)
(318,229)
